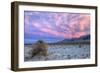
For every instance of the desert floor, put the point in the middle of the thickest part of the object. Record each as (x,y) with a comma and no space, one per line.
(60,52)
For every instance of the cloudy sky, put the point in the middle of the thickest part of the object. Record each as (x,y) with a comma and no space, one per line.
(54,26)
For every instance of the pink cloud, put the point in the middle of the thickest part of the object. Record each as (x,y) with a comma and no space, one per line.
(67,29)
(50,31)
(85,22)
(36,24)
(82,23)
(27,18)
(27,23)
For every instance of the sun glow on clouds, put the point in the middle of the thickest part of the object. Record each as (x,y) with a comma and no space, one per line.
(56,24)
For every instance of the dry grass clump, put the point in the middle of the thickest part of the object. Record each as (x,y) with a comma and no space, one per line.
(40,47)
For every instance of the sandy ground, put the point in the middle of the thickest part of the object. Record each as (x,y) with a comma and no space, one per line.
(60,52)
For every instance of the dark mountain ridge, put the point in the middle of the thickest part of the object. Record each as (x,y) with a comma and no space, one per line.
(81,39)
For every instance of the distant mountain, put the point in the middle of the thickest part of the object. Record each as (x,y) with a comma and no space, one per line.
(86,37)
(80,39)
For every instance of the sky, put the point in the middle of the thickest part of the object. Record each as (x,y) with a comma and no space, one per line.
(54,26)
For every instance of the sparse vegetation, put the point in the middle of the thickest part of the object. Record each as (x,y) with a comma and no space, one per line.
(56,52)
(39,48)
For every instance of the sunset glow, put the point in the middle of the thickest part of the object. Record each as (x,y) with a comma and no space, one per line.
(55,26)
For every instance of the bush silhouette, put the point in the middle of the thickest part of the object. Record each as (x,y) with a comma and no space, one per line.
(40,47)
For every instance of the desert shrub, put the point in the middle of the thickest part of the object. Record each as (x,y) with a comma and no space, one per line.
(40,47)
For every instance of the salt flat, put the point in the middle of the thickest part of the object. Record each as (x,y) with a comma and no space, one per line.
(60,52)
